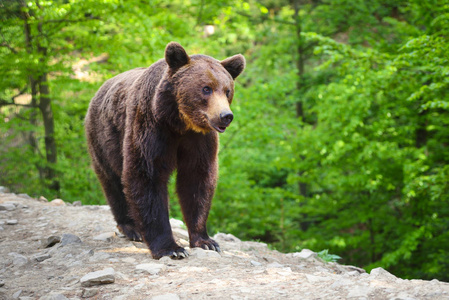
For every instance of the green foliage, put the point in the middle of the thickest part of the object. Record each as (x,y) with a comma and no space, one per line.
(327,257)
(363,169)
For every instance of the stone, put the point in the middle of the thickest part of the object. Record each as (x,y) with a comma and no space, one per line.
(18,259)
(7,206)
(256,263)
(151,268)
(41,257)
(77,203)
(177,223)
(2,283)
(87,293)
(353,273)
(359,291)
(305,254)
(99,277)
(182,233)
(42,199)
(226,238)
(26,196)
(382,274)
(166,260)
(54,296)
(12,222)
(275,265)
(105,237)
(57,202)
(132,260)
(50,241)
(202,254)
(315,279)
(166,297)
(16,295)
(68,238)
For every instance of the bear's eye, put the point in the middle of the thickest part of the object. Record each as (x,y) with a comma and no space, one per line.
(228,92)
(207,90)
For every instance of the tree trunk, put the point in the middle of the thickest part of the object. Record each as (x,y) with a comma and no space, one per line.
(300,83)
(40,97)
(31,135)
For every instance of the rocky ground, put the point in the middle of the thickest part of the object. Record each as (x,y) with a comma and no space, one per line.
(54,250)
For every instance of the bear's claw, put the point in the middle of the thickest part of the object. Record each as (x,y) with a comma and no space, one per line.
(129,231)
(208,244)
(178,253)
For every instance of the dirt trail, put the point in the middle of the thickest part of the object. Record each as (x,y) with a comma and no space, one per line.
(53,250)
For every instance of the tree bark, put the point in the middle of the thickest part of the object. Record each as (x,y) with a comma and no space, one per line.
(31,135)
(40,97)
(49,124)
(300,60)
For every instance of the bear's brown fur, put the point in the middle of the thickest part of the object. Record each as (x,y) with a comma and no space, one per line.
(145,123)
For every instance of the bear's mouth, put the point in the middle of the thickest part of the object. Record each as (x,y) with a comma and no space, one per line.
(220,129)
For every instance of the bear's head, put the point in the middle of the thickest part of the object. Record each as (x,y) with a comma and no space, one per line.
(203,87)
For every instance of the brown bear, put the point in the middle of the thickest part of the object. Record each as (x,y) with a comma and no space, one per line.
(143,124)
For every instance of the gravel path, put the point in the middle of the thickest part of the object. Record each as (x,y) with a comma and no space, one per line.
(53,250)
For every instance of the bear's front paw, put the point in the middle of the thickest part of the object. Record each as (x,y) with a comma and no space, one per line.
(206,244)
(178,253)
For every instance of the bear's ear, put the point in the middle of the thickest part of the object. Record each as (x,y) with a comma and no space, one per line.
(176,56)
(234,65)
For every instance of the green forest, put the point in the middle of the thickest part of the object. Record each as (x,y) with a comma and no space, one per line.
(341,129)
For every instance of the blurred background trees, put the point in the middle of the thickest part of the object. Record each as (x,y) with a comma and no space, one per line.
(341,130)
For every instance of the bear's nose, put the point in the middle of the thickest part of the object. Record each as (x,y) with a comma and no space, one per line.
(226,118)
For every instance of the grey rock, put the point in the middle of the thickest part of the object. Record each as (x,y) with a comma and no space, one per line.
(2,283)
(77,203)
(4,189)
(353,268)
(202,254)
(165,260)
(305,254)
(12,222)
(275,265)
(177,223)
(24,196)
(42,199)
(315,279)
(68,238)
(166,297)
(353,273)
(227,238)
(57,202)
(50,241)
(359,291)
(105,237)
(87,293)
(151,268)
(7,206)
(16,295)
(41,257)
(181,233)
(18,259)
(382,274)
(256,263)
(54,296)
(99,277)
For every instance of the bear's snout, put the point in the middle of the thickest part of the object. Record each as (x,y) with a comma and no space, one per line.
(226,118)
